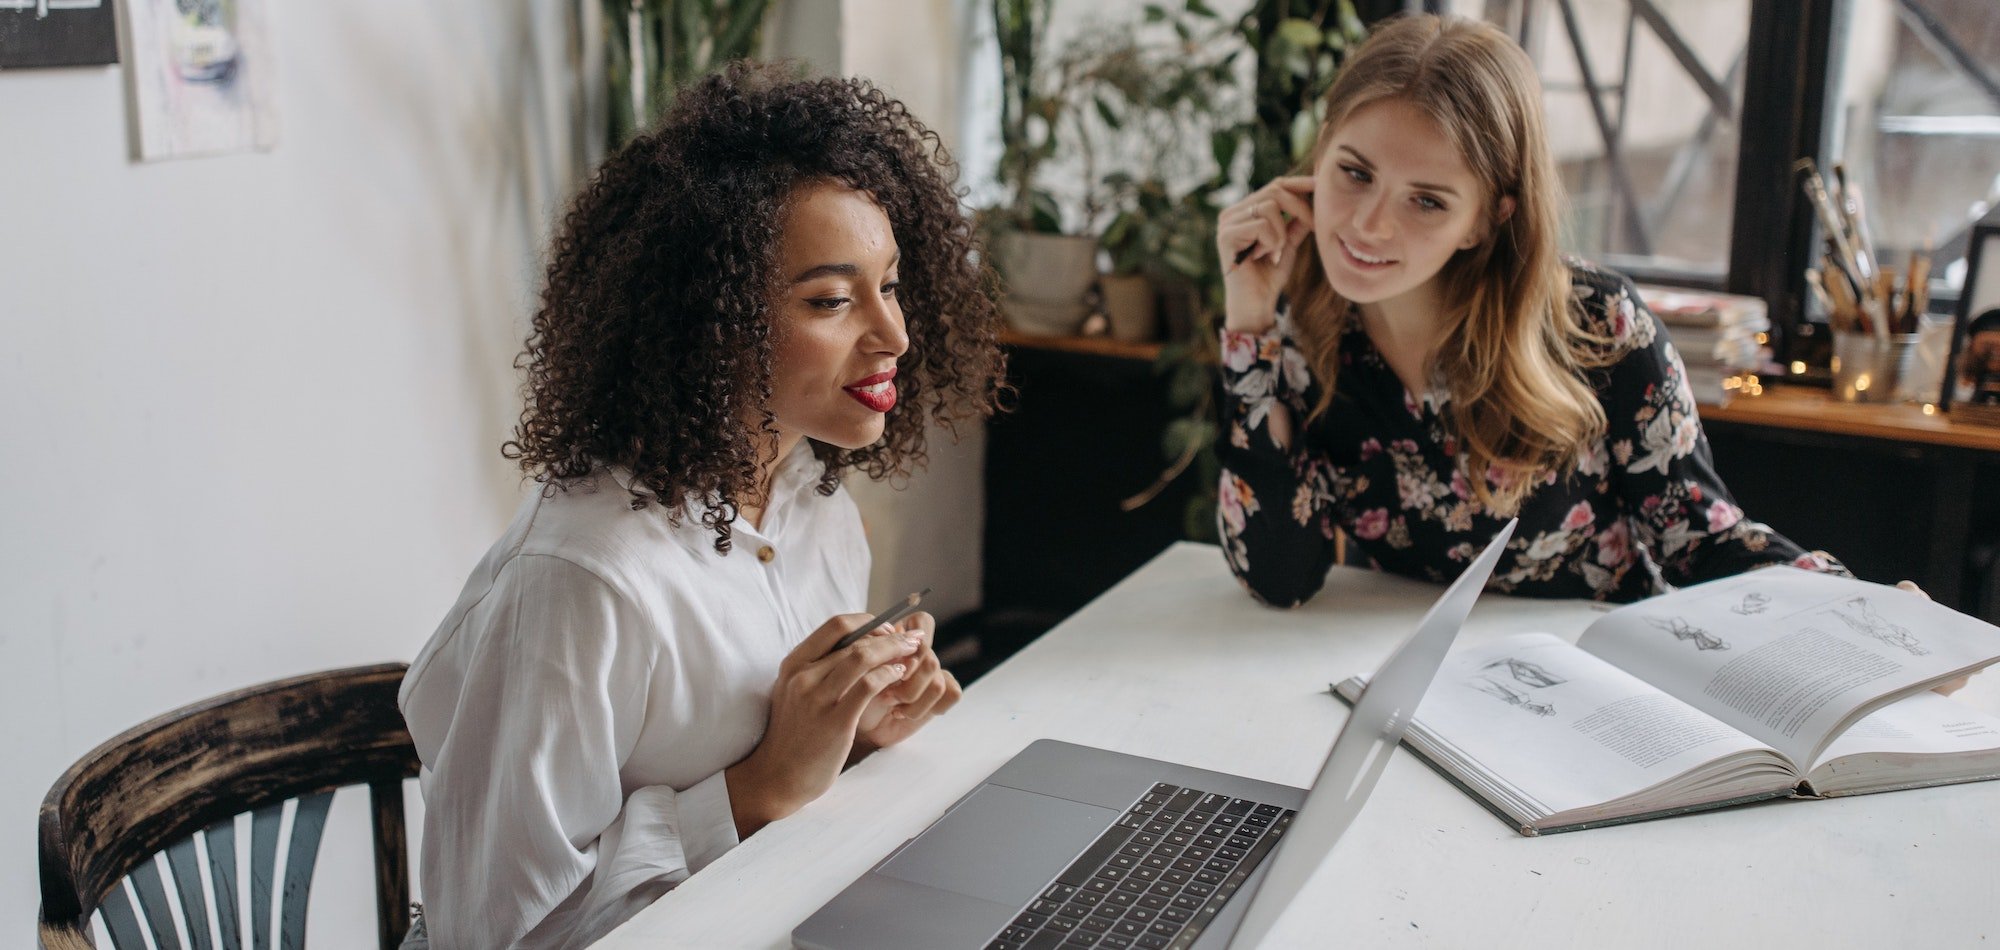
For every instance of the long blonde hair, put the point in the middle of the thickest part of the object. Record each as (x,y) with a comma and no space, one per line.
(1513,352)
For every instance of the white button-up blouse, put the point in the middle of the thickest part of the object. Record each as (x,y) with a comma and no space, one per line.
(575,710)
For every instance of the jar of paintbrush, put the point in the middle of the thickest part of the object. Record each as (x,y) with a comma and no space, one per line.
(1873,306)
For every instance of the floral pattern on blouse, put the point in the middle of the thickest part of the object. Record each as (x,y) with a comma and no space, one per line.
(1643,508)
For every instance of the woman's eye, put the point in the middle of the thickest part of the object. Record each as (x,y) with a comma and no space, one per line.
(889,289)
(829,303)
(1429,203)
(1358,175)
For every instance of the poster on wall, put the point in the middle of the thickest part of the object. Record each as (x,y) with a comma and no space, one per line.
(201,77)
(35,33)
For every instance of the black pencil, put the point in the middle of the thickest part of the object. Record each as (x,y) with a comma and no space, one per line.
(893,614)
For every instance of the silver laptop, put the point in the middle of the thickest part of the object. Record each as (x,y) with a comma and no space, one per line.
(1070,846)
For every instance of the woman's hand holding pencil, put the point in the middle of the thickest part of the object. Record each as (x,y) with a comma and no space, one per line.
(926,690)
(818,703)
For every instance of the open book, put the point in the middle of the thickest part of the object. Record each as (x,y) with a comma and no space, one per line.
(1776,683)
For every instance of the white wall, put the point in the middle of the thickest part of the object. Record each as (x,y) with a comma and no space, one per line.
(252,404)
(928,532)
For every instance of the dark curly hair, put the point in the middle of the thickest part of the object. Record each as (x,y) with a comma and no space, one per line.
(652,343)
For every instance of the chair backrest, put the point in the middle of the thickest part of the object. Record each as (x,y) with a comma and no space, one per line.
(158,787)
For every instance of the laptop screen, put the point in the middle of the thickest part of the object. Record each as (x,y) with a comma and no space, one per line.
(1362,749)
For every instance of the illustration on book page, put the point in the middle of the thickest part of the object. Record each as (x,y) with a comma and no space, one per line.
(1860,616)
(1513,697)
(1526,673)
(1682,630)
(1753,603)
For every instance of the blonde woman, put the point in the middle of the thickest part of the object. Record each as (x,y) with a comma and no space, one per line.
(1409,359)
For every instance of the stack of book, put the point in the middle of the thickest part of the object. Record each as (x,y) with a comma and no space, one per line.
(1719,336)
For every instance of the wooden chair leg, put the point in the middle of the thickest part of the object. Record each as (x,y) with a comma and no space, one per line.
(392,863)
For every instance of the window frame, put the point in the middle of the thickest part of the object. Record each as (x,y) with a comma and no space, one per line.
(1788,68)
(1788,65)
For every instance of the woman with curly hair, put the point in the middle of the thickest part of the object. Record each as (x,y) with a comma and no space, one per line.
(1411,361)
(774,287)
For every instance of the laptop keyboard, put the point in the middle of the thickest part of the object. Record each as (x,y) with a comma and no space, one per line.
(1156,878)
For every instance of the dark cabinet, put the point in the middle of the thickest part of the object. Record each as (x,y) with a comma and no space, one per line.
(1084,435)
(1893,492)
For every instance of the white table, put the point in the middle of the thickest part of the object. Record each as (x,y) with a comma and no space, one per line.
(1178,663)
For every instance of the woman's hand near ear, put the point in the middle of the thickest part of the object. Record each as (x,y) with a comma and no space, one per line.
(1257,239)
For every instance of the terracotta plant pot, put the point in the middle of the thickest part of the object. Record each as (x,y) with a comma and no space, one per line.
(1132,307)
(1177,309)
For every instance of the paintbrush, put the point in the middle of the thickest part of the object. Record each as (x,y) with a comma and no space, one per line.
(1848,198)
(1831,222)
(1920,285)
(1841,296)
(1816,284)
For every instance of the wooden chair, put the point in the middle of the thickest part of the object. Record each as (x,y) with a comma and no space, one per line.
(154,789)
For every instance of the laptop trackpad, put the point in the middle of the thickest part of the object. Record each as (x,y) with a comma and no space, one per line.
(1002,844)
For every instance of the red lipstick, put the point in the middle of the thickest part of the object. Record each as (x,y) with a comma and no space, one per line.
(877,392)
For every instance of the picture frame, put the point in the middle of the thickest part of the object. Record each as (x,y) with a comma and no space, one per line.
(201,77)
(1971,393)
(39,34)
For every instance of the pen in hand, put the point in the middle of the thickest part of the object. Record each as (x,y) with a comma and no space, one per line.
(893,614)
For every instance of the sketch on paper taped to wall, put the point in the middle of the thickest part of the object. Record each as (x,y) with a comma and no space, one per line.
(1682,630)
(1517,698)
(1753,603)
(201,77)
(1859,615)
(42,33)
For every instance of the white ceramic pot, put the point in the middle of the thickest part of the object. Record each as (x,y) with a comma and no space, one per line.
(1051,268)
(1048,279)
(1044,319)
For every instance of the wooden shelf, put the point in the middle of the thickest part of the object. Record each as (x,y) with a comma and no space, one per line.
(1815,410)
(1802,408)
(1091,345)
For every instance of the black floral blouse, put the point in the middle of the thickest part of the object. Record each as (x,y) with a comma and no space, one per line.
(1645,506)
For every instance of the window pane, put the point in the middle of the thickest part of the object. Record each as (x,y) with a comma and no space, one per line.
(1919,114)
(1642,99)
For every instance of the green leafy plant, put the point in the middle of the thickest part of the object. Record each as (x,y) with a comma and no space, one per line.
(1158,97)
(1031,107)
(1298,48)
(654,47)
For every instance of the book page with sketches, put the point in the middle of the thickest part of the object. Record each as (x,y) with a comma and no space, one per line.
(1539,728)
(1922,740)
(1791,657)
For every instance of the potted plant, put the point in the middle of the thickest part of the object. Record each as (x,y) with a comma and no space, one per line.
(1151,96)
(1048,273)
(653,47)
(1131,305)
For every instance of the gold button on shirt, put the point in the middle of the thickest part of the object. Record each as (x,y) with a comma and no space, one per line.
(765,554)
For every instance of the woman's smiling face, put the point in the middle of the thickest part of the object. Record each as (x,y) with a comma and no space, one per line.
(837,327)
(1392,202)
